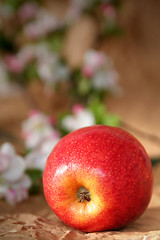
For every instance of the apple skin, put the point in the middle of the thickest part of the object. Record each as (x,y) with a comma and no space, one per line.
(112,165)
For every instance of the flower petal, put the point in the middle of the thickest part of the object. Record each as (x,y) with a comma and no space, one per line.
(14,196)
(7,148)
(3,189)
(16,169)
(23,182)
(6,154)
(36,159)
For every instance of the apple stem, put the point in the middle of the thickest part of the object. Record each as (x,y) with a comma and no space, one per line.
(83,195)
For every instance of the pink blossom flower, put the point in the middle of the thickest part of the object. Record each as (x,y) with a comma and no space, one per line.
(27,11)
(43,24)
(14,164)
(100,69)
(16,63)
(13,64)
(93,60)
(77,108)
(26,54)
(49,67)
(37,158)
(81,117)
(14,196)
(33,31)
(4,162)
(14,182)
(108,11)
(107,79)
(87,71)
(36,128)
(5,157)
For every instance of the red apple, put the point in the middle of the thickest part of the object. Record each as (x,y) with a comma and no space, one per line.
(98,178)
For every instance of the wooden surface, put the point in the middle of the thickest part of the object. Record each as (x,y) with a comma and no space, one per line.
(137,58)
(33,219)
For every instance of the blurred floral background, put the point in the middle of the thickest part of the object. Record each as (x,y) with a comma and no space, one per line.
(69,64)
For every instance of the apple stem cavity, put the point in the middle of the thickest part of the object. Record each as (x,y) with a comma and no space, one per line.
(83,195)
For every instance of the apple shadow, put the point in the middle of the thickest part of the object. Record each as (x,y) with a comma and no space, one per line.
(149,221)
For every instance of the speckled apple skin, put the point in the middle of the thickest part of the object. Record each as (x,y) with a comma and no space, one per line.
(112,165)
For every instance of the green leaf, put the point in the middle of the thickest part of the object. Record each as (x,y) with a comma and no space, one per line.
(35,189)
(101,115)
(98,109)
(155,161)
(36,178)
(34,174)
(112,30)
(30,72)
(5,43)
(59,123)
(84,86)
(14,4)
(55,40)
(111,120)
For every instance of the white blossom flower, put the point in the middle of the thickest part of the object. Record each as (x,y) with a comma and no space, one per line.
(13,63)
(49,66)
(43,24)
(94,61)
(26,53)
(15,165)
(37,158)
(81,117)
(36,128)
(106,79)
(47,62)
(100,69)
(16,63)
(52,72)
(16,195)
(14,183)
(6,153)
